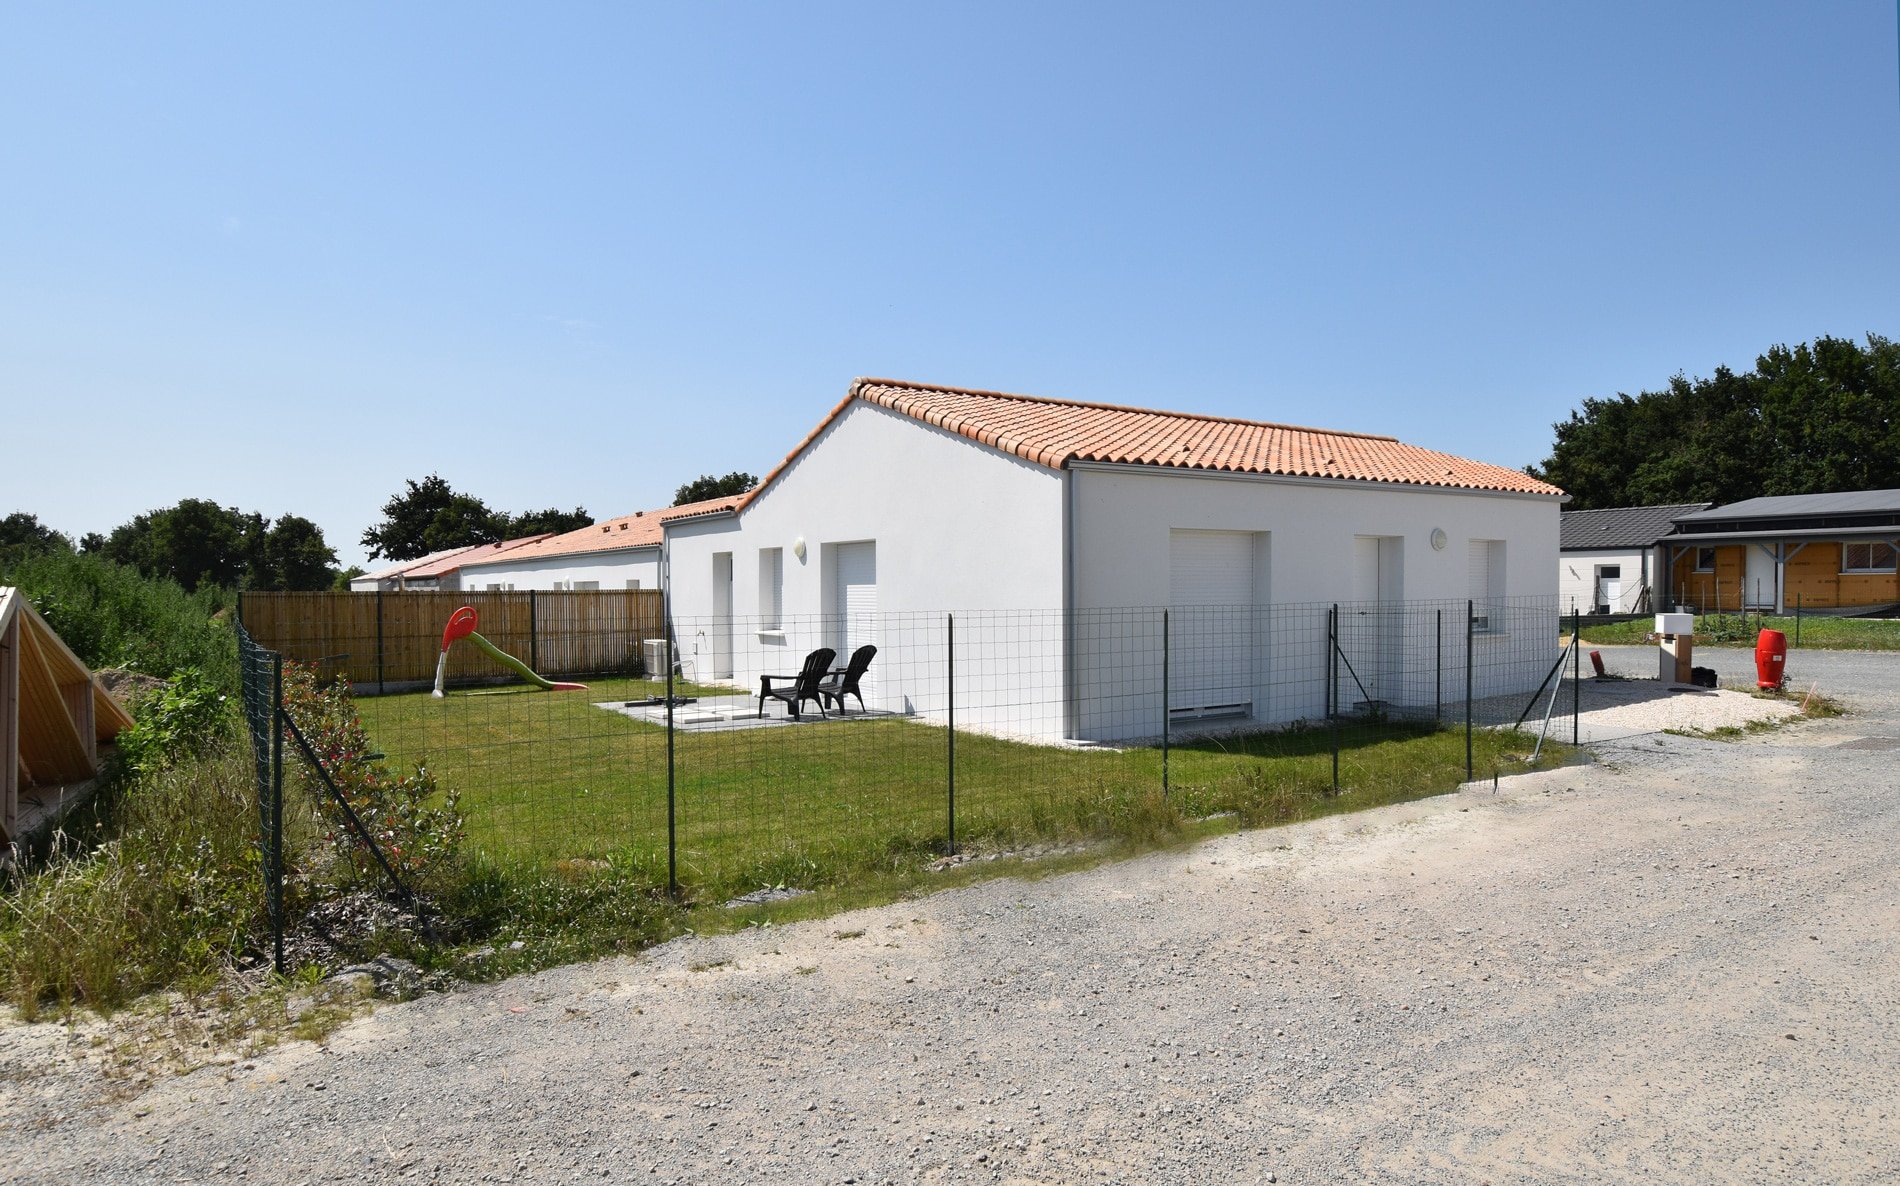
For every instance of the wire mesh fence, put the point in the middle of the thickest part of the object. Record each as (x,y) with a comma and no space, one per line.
(726,753)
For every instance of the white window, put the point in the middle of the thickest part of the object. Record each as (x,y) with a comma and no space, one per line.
(494,587)
(589,586)
(633,584)
(1486,585)
(1705,559)
(771,588)
(1872,557)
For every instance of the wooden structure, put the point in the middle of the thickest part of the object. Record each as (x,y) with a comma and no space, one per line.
(53,713)
(1819,551)
(389,641)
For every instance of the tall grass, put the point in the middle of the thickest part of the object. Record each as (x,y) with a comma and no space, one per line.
(157,886)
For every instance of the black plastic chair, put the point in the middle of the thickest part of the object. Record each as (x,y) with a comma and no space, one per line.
(844,682)
(804,685)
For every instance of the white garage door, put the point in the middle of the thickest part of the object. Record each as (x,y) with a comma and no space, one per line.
(1210,628)
(857,604)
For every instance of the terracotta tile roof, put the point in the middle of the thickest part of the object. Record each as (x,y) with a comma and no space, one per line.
(409,567)
(1056,432)
(638,530)
(462,557)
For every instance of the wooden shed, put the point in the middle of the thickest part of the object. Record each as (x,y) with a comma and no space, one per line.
(53,713)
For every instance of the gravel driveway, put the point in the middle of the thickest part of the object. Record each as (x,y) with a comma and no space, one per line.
(1678,965)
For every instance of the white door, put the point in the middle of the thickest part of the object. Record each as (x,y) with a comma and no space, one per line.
(857,606)
(721,640)
(1369,624)
(1758,577)
(1210,622)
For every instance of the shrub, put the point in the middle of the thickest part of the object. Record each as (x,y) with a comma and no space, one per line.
(417,827)
(180,720)
(112,617)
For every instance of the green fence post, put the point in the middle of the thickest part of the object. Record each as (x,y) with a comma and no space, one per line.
(1576,677)
(534,632)
(950,664)
(1470,609)
(274,859)
(1165,708)
(672,835)
(1797,619)
(1332,688)
(379,642)
(1438,667)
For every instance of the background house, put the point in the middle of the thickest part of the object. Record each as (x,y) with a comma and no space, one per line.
(621,553)
(1047,522)
(1823,551)
(436,572)
(1611,562)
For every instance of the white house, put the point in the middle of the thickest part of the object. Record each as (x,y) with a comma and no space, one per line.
(1611,561)
(1057,530)
(438,571)
(621,553)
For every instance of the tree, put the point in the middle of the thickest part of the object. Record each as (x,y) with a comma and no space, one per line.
(428,517)
(706,486)
(199,543)
(551,520)
(295,557)
(196,542)
(24,534)
(341,583)
(1809,420)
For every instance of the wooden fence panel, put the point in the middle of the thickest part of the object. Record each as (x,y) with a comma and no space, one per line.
(391,640)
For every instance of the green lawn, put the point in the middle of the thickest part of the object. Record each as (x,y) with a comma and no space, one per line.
(1841,634)
(550,779)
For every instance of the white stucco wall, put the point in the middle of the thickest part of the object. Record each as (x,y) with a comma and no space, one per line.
(958,526)
(1308,555)
(1576,578)
(612,569)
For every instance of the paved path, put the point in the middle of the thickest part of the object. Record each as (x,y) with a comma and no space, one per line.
(1679,965)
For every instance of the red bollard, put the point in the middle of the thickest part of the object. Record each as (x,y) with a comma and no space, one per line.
(1771,657)
(1596,661)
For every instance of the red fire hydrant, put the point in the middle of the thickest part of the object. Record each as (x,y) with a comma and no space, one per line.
(1771,657)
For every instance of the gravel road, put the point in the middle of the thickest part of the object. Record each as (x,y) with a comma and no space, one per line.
(1677,965)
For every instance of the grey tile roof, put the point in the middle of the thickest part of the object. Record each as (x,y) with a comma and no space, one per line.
(1620,527)
(1847,502)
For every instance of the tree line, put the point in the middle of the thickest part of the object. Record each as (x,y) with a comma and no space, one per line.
(200,544)
(1814,419)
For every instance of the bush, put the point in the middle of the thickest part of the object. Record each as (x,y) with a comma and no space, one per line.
(417,827)
(178,721)
(112,617)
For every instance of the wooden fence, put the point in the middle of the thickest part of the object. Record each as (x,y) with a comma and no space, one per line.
(389,641)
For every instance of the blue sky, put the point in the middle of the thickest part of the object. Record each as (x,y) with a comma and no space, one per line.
(579,254)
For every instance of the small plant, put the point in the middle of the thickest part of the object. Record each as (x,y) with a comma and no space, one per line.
(176,721)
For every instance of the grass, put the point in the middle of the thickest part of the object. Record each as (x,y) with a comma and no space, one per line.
(552,782)
(1738,630)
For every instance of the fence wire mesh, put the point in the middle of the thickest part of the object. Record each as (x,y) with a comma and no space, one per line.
(774,763)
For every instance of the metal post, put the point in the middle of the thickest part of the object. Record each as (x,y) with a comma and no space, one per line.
(1332,688)
(672,833)
(1165,708)
(950,640)
(1438,658)
(1470,634)
(534,632)
(379,642)
(274,856)
(1576,678)
(1797,619)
